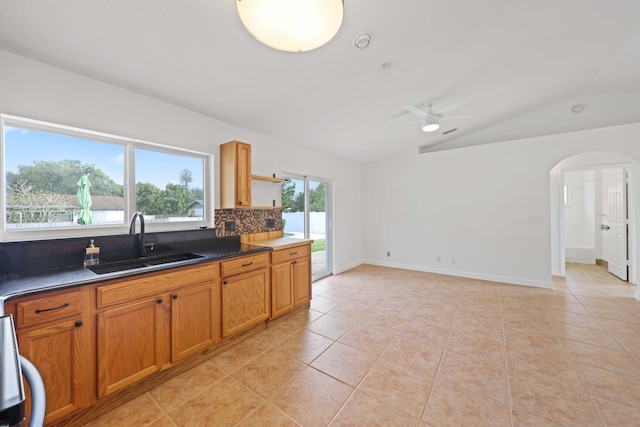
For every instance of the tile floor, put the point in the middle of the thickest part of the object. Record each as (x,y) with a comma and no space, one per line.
(388,347)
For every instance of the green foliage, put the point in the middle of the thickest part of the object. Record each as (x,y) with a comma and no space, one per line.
(30,205)
(61,178)
(319,245)
(317,198)
(294,200)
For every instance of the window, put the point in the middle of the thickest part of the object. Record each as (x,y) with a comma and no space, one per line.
(68,182)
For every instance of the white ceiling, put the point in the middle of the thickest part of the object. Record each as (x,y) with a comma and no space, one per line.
(524,63)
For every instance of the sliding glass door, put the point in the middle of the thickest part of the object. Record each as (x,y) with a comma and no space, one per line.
(307,214)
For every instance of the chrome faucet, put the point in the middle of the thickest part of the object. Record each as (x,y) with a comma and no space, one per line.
(142,246)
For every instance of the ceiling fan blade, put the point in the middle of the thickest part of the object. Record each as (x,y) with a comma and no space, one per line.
(415,110)
(455,105)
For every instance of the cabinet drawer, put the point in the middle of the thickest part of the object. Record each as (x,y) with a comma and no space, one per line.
(244,264)
(153,284)
(48,309)
(284,255)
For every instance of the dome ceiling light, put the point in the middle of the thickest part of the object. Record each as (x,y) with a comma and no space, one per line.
(291,25)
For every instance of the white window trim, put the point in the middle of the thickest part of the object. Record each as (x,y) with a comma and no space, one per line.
(129,144)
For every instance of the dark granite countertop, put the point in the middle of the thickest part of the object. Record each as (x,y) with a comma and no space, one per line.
(20,284)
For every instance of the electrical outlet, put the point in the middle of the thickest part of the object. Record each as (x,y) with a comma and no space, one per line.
(388,253)
(438,259)
(271,223)
(229,226)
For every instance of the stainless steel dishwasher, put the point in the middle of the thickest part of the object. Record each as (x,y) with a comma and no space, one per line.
(12,368)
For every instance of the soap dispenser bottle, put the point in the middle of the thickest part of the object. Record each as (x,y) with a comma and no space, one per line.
(91,254)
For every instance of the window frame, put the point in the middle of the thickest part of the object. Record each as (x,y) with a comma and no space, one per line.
(129,183)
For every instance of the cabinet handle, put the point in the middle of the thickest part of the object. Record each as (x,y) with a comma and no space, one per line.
(78,324)
(224,283)
(159,300)
(294,262)
(247,265)
(38,311)
(293,253)
(175,296)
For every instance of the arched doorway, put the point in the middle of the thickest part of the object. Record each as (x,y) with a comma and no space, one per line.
(592,166)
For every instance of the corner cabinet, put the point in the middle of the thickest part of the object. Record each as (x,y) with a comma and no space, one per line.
(235,175)
(146,324)
(245,293)
(290,278)
(55,333)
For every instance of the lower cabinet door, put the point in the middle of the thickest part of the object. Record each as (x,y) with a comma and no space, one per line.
(281,289)
(302,281)
(245,301)
(60,352)
(193,320)
(130,343)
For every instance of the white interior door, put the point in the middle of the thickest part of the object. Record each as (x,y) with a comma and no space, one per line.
(618,246)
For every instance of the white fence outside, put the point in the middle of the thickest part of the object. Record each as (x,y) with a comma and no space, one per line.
(295,222)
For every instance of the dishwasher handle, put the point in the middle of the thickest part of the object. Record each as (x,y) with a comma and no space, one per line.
(38,395)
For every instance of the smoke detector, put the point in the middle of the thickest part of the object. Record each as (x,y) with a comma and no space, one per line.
(362,40)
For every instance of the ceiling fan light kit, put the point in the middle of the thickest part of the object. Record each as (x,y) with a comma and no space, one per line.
(292,25)
(430,123)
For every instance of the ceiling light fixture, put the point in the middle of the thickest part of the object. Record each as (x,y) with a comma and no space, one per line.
(430,123)
(292,25)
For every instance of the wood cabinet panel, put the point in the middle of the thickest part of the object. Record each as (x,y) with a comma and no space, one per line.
(244,264)
(285,255)
(281,289)
(61,352)
(194,320)
(153,284)
(235,175)
(48,309)
(302,281)
(130,344)
(245,301)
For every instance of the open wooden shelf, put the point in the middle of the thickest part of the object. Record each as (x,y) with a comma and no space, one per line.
(267,178)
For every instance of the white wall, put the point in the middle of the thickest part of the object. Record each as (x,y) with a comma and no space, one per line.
(476,204)
(38,91)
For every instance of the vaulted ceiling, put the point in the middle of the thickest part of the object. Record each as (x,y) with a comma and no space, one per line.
(515,68)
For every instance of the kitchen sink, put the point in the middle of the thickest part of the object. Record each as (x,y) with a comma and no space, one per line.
(132,264)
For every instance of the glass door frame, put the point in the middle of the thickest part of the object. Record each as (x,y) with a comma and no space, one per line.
(328,216)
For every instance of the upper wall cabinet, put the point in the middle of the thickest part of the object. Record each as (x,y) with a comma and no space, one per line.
(235,175)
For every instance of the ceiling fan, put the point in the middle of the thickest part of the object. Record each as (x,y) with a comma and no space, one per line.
(431,117)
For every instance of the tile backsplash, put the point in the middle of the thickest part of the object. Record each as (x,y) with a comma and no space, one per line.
(235,222)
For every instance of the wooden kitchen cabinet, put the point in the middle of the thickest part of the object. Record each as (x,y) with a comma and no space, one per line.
(290,278)
(245,293)
(147,323)
(235,175)
(54,333)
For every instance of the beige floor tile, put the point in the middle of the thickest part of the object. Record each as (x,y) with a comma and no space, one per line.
(312,398)
(226,403)
(486,380)
(268,373)
(164,421)
(345,363)
(549,368)
(615,314)
(552,403)
(364,410)
(524,419)
(603,357)
(330,326)
(302,318)
(304,345)
(421,356)
(239,355)
(364,338)
(140,411)
(477,348)
(398,386)
(610,385)
(615,414)
(181,388)
(275,333)
(631,343)
(268,415)
(586,335)
(621,327)
(324,304)
(450,407)
(558,318)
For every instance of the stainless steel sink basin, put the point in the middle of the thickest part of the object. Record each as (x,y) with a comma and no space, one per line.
(132,264)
